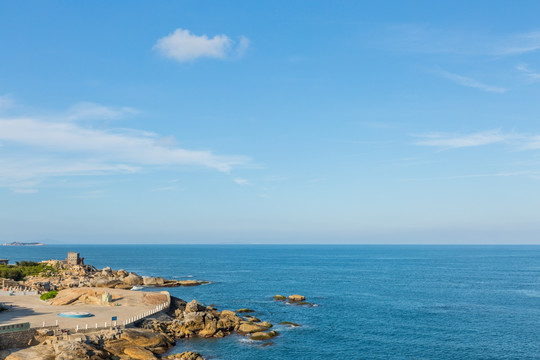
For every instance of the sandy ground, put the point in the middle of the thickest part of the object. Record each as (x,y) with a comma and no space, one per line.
(29,308)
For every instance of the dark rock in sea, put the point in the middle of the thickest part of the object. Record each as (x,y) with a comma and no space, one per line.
(244,310)
(263,335)
(291,324)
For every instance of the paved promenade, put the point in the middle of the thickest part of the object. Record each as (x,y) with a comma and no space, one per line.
(29,308)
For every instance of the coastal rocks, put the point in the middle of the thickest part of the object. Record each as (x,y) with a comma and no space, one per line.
(122,273)
(193,306)
(279,298)
(153,281)
(186,355)
(263,335)
(71,276)
(299,300)
(133,279)
(40,352)
(288,323)
(296,298)
(248,328)
(244,310)
(139,353)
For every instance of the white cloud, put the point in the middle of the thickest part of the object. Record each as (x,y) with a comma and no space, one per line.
(519,44)
(182,45)
(90,110)
(241,181)
(468,82)
(35,150)
(531,74)
(459,141)
(25,191)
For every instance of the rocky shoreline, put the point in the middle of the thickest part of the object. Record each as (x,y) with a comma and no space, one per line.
(146,339)
(63,276)
(149,339)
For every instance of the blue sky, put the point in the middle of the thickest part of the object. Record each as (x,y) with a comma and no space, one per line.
(270,122)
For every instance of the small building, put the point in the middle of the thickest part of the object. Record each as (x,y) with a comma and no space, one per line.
(74,258)
(4,261)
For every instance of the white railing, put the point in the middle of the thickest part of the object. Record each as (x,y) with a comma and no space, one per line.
(123,322)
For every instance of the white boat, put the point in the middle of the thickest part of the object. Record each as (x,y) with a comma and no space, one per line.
(136,287)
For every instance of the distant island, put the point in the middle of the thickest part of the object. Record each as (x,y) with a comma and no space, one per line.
(16,243)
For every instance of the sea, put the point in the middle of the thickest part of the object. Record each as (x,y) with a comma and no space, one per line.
(371,302)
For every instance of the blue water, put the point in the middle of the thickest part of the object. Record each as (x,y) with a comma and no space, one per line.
(375,302)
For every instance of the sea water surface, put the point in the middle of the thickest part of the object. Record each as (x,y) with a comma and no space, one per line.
(374,302)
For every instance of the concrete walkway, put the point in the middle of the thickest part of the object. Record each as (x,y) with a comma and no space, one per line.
(29,308)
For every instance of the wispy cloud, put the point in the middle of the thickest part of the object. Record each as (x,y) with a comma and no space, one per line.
(519,141)
(182,45)
(36,149)
(241,181)
(89,110)
(518,44)
(453,141)
(25,191)
(529,73)
(502,174)
(424,38)
(469,82)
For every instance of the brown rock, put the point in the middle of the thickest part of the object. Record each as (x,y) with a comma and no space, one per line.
(153,281)
(139,353)
(296,298)
(263,335)
(133,279)
(247,328)
(193,306)
(244,310)
(187,355)
(40,352)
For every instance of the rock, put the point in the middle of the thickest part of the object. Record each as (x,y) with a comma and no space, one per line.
(265,324)
(194,321)
(263,335)
(106,283)
(122,273)
(228,320)
(153,281)
(40,352)
(296,298)
(187,355)
(247,328)
(244,310)
(289,323)
(139,353)
(210,326)
(193,306)
(279,298)
(228,313)
(253,319)
(75,350)
(133,279)
(106,271)
(177,304)
(190,282)
(149,340)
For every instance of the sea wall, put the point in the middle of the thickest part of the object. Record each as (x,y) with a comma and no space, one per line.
(18,339)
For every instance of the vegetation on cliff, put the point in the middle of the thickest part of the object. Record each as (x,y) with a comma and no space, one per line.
(22,269)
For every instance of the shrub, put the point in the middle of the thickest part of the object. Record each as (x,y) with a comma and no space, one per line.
(48,295)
